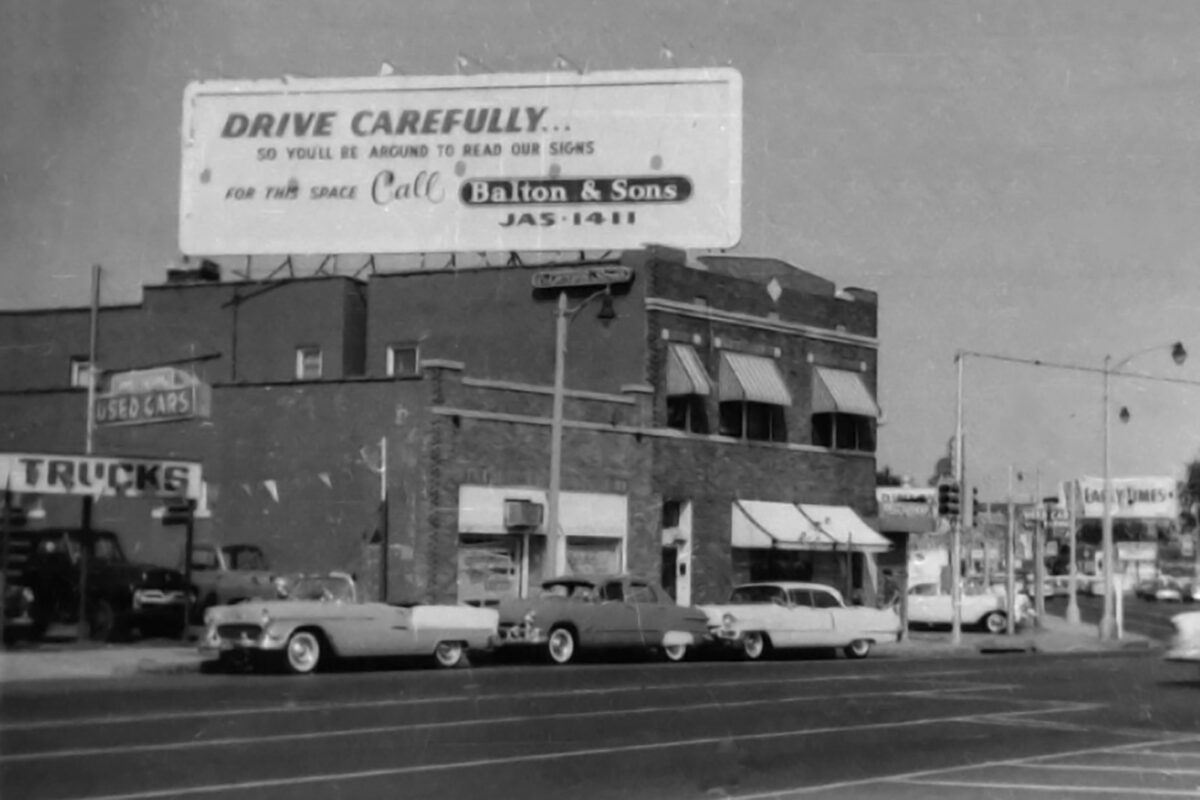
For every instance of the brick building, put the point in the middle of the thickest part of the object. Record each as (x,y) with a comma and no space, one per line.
(720,428)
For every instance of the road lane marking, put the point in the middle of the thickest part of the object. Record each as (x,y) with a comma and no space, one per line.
(906,777)
(191,744)
(300,780)
(293,708)
(1114,768)
(1124,791)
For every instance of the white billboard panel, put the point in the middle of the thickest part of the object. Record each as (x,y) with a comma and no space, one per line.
(539,161)
(1151,497)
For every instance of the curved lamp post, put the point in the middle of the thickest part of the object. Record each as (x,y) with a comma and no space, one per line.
(1178,355)
(555,559)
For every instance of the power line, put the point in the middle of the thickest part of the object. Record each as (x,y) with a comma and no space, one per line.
(1037,362)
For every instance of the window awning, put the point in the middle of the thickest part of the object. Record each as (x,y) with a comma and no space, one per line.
(843,392)
(752,378)
(685,372)
(763,525)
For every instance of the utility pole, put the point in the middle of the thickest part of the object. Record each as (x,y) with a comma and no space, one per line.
(1010,577)
(1039,552)
(85,535)
(956,523)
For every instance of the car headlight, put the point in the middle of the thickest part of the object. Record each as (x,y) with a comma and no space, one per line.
(281,587)
(728,620)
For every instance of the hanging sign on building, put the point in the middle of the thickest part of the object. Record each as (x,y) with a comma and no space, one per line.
(569,277)
(162,394)
(99,476)
(1152,497)
(498,162)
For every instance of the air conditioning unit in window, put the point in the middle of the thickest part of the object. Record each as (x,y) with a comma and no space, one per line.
(522,514)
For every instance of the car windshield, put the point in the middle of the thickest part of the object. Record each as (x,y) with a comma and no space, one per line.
(757,594)
(327,588)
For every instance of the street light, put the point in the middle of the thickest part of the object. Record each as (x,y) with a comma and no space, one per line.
(555,562)
(1178,355)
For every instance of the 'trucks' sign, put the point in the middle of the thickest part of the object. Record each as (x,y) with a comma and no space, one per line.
(99,476)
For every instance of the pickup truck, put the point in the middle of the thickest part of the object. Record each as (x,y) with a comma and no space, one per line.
(224,575)
(121,594)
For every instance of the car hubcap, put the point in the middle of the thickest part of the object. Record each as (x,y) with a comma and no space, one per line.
(449,654)
(860,648)
(675,652)
(995,623)
(561,646)
(754,645)
(302,652)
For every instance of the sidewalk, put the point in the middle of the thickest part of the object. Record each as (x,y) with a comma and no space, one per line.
(66,659)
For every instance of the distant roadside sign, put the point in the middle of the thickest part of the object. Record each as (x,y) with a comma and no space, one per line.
(1056,515)
(451,163)
(99,476)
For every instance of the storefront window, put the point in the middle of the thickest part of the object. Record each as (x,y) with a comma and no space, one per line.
(593,556)
(488,568)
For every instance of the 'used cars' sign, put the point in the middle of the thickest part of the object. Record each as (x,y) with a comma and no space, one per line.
(164,394)
(504,162)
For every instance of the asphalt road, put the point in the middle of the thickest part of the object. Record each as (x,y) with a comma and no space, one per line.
(1147,617)
(974,726)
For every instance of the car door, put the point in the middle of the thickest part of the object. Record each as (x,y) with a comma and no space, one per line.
(812,626)
(616,619)
(927,606)
(651,612)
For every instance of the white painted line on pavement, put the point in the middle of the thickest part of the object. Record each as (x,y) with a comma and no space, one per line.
(300,780)
(905,777)
(1113,768)
(294,708)
(192,744)
(1123,791)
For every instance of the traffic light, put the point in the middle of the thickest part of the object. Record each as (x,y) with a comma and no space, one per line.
(948,500)
(976,506)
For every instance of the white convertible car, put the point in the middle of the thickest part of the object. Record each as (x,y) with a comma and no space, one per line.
(760,617)
(321,618)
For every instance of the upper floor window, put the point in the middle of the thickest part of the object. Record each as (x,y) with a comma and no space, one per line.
(688,388)
(81,372)
(403,360)
(843,411)
(308,363)
(753,398)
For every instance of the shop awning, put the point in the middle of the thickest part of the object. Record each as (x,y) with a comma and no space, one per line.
(843,392)
(752,378)
(685,372)
(760,524)
(845,528)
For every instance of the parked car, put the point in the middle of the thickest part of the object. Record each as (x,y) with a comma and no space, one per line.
(121,594)
(227,574)
(320,619)
(1162,589)
(1185,644)
(601,612)
(984,607)
(761,617)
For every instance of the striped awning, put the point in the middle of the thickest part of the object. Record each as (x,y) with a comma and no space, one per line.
(752,378)
(685,372)
(843,392)
(785,526)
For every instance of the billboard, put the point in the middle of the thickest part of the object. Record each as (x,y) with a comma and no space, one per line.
(1151,497)
(506,162)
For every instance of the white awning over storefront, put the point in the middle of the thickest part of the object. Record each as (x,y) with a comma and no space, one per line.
(761,524)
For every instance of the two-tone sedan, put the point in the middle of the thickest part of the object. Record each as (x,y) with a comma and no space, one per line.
(321,619)
(761,617)
(605,612)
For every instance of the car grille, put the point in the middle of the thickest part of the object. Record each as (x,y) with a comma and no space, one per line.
(239,632)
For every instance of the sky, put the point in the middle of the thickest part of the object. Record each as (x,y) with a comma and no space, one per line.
(1016,179)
